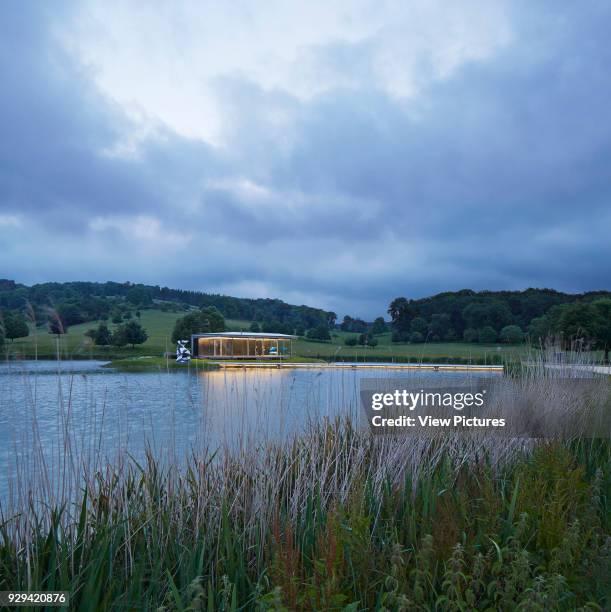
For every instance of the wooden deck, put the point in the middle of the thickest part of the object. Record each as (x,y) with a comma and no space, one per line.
(435,367)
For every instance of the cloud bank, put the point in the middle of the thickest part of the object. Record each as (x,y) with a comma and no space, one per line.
(336,155)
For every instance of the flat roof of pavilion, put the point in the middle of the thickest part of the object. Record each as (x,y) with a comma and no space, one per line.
(254,335)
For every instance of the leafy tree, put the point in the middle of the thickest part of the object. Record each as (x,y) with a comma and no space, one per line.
(511,334)
(576,322)
(300,330)
(539,329)
(130,333)
(102,335)
(589,323)
(416,337)
(353,325)
(198,322)
(191,323)
(379,326)
(401,312)
(351,341)
(117,318)
(372,342)
(439,326)
(212,317)
(70,314)
(487,335)
(419,325)
(118,337)
(451,335)
(15,326)
(139,296)
(56,327)
(65,315)
(254,327)
(470,335)
(603,306)
(489,313)
(320,332)
(62,318)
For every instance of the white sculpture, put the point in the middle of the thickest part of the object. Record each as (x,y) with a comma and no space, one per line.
(183,354)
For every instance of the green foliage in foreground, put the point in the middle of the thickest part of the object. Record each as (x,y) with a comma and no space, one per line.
(244,533)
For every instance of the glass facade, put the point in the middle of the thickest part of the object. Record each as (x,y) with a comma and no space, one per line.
(236,348)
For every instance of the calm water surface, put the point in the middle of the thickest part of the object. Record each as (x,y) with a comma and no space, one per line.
(52,411)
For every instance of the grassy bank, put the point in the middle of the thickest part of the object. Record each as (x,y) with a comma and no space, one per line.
(149,363)
(146,363)
(335,519)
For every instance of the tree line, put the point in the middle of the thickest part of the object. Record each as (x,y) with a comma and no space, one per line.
(78,302)
(505,316)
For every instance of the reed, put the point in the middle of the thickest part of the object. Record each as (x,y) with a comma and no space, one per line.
(330,518)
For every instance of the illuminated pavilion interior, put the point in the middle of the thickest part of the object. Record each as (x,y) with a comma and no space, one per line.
(241,345)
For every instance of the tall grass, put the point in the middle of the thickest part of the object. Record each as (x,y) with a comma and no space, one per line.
(330,518)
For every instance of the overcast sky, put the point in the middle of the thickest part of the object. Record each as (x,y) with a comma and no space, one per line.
(337,154)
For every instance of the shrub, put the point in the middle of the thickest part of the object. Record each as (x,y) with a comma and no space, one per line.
(351,341)
(416,337)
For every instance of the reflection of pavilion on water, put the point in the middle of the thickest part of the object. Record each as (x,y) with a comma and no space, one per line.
(241,345)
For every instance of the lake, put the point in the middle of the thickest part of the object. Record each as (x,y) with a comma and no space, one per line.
(57,413)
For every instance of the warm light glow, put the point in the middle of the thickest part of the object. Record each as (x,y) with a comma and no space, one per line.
(244,347)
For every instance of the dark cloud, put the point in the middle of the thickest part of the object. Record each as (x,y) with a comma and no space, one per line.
(498,176)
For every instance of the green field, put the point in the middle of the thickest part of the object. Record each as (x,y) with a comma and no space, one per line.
(159,325)
(388,350)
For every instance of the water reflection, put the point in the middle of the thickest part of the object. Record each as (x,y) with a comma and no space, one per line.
(53,414)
